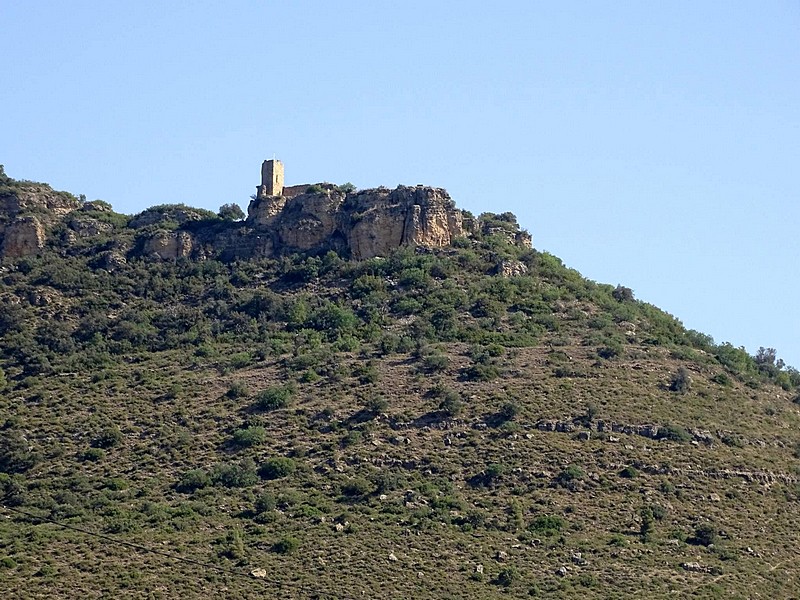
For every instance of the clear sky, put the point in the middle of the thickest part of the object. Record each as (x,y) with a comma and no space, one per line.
(652,144)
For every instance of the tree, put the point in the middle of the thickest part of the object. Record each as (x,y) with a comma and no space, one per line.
(231,212)
(622,293)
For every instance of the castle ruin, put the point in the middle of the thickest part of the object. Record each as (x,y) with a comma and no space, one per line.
(271,179)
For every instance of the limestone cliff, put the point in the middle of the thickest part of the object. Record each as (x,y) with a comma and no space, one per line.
(26,210)
(365,224)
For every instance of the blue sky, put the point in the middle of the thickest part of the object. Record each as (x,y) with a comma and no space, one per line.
(655,145)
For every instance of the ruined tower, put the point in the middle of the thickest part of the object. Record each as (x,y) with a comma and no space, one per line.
(271,178)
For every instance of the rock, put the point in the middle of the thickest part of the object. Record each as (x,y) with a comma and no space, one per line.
(111,261)
(577,558)
(479,569)
(260,573)
(694,567)
(511,268)
(339,527)
(501,556)
(368,223)
(169,245)
(715,498)
(562,572)
(24,236)
(87,227)
(392,557)
(27,197)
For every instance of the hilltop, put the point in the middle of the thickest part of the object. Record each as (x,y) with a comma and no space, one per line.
(368,393)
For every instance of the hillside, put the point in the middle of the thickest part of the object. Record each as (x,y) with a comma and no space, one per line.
(455,416)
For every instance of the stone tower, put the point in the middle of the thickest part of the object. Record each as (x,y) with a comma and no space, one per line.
(271,178)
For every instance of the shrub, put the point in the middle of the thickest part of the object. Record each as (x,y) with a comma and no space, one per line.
(507,576)
(94,454)
(622,294)
(681,382)
(509,410)
(721,379)
(237,389)
(193,480)
(629,472)
(356,487)
(376,404)
(315,189)
(674,433)
(274,397)
(277,468)
(451,404)
(704,535)
(265,503)
(15,453)
(242,474)
(107,438)
(569,477)
(231,212)
(249,436)
(286,545)
(547,525)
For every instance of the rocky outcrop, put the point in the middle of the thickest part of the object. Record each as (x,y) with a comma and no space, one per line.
(367,223)
(169,245)
(24,236)
(36,198)
(27,210)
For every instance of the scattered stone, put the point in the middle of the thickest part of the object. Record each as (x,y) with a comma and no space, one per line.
(479,569)
(392,557)
(695,567)
(260,573)
(502,555)
(562,572)
(715,498)
(339,527)
(577,558)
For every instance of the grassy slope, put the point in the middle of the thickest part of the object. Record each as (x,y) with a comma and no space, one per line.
(161,364)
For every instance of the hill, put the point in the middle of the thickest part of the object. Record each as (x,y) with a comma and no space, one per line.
(445,417)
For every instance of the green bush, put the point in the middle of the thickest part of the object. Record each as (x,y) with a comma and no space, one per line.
(195,479)
(286,545)
(674,433)
(277,468)
(249,436)
(546,525)
(107,438)
(356,487)
(265,503)
(629,472)
(274,397)
(704,535)
(237,389)
(681,382)
(242,474)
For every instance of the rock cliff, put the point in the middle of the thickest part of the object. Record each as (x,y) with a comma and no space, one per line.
(304,218)
(365,224)
(27,209)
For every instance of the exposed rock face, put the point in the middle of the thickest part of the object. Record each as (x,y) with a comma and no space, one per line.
(88,227)
(34,197)
(26,210)
(511,268)
(367,223)
(169,245)
(24,236)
